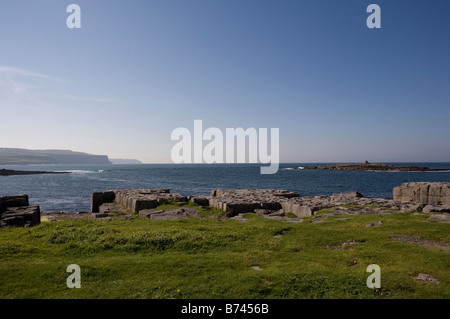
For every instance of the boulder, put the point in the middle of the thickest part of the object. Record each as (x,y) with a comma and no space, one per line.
(168,214)
(106,208)
(146,213)
(348,195)
(408,207)
(19,216)
(299,209)
(438,209)
(17,221)
(141,204)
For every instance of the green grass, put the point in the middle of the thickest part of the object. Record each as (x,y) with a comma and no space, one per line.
(212,258)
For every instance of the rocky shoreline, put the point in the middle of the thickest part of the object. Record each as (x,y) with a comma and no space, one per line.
(279,204)
(419,197)
(10,172)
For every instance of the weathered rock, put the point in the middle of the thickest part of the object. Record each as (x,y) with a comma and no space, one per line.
(136,200)
(279,212)
(429,193)
(346,196)
(169,214)
(106,208)
(17,221)
(268,201)
(237,201)
(200,200)
(438,209)
(408,207)
(99,198)
(13,201)
(250,200)
(300,208)
(346,203)
(146,213)
(262,211)
(19,216)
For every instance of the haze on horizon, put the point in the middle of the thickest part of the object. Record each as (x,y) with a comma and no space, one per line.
(337,90)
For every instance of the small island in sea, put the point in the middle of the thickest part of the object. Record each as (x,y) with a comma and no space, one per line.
(10,172)
(366,166)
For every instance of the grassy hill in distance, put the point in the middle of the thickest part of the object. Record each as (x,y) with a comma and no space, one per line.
(18,156)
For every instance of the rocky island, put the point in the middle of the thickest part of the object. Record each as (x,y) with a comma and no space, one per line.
(10,172)
(366,166)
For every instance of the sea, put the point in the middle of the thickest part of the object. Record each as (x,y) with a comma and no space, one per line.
(71,192)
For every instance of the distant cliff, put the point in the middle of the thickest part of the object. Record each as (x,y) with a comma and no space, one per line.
(18,156)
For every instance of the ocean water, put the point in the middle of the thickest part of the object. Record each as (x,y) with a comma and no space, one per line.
(72,192)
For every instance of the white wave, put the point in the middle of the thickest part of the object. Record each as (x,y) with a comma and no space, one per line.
(293,168)
(79,171)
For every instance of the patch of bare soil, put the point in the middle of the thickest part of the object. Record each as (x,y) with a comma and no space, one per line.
(345,245)
(426,278)
(54,216)
(425,243)
(440,218)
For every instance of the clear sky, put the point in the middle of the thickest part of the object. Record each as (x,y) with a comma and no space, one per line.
(136,70)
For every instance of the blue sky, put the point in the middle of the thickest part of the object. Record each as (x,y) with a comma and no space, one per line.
(136,70)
